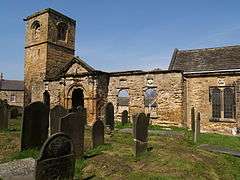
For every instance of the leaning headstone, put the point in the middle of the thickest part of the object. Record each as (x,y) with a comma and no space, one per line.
(73,126)
(57,159)
(109,116)
(197,128)
(98,133)
(124,117)
(141,133)
(193,120)
(56,114)
(4,115)
(35,125)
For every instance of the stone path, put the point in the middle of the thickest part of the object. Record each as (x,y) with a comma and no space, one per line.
(18,170)
(155,132)
(219,149)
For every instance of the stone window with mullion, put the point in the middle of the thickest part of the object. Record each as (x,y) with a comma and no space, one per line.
(223,103)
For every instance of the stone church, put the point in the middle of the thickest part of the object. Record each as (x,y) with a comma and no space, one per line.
(206,79)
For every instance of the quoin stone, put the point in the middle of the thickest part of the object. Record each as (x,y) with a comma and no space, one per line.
(73,125)
(109,115)
(141,124)
(35,125)
(98,133)
(124,117)
(56,114)
(57,159)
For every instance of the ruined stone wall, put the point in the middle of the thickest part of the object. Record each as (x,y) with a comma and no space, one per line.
(169,88)
(7,95)
(198,97)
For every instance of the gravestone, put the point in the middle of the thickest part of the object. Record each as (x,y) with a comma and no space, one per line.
(197,128)
(141,124)
(83,113)
(124,117)
(98,133)
(57,159)
(4,116)
(35,125)
(73,125)
(193,120)
(109,116)
(56,114)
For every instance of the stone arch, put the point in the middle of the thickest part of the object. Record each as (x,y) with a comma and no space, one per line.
(73,88)
(62,31)
(36,28)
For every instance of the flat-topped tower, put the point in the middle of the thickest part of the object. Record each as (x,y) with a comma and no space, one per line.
(49,45)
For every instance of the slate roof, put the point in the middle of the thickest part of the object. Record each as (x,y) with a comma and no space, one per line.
(207,59)
(11,85)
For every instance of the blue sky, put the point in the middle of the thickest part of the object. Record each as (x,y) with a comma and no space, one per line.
(116,35)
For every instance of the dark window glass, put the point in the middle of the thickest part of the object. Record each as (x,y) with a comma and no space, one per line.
(216,103)
(229,103)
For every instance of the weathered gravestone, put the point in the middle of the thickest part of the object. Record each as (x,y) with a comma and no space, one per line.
(197,128)
(81,110)
(56,114)
(124,117)
(4,114)
(35,125)
(109,115)
(141,123)
(57,159)
(98,133)
(193,120)
(73,125)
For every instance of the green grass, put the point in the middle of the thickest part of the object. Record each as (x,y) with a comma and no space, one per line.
(172,157)
(220,140)
(34,153)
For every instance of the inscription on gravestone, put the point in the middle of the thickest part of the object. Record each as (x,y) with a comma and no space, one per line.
(57,159)
(4,107)
(109,115)
(141,123)
(35,125)
(73,125)
(56,114)
(124,117)
(98,133)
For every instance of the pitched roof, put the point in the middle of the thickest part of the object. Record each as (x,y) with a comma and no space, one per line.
(208,59)
(68,65)
(12,85)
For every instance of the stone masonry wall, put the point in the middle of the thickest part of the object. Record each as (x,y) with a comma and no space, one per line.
(198,97)
(7,95)
(169,94)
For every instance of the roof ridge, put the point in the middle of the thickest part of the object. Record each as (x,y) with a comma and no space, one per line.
(210,48)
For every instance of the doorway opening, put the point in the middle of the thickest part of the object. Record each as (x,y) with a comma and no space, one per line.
(77,98)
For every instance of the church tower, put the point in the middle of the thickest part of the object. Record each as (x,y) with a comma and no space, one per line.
(49,45)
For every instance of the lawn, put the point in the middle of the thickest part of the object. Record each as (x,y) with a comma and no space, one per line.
(171,157)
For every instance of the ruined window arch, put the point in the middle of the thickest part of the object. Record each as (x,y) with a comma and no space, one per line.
(123,97)
(77,98)
(62,31)
(229,103)
(36,29)
(150,97)
(216,103)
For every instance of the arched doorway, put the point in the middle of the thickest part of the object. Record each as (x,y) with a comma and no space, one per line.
(77,98)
